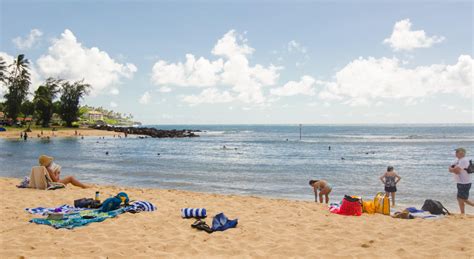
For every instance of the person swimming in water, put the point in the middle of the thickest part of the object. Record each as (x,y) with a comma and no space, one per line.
(324,189)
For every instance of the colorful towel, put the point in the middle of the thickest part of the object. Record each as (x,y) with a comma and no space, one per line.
(140,206)
(65,209)
(79,219)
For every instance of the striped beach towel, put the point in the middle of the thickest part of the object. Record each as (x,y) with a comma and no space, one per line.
(193,213)
(140,206)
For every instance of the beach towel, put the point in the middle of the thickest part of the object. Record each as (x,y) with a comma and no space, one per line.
(421,214)
(334,207)
(78,219)
(139,206)
(40,179)
(193,213)
(65,209)
(25,183)
(220,222)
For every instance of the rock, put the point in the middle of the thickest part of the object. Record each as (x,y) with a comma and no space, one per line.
(152,132)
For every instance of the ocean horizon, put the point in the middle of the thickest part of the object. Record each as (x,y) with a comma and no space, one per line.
(263,160)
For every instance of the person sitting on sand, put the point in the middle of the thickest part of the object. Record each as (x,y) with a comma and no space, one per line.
(324,189)
(54,171)
(390,180)
(462,178)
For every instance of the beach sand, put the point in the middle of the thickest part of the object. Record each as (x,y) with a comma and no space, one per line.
(267,228)
(12,134)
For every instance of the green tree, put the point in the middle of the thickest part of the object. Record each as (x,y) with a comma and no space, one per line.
(18,82)
(27,109)
(71,94)
(43,100)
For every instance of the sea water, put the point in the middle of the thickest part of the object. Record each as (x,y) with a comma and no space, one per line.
(262,160)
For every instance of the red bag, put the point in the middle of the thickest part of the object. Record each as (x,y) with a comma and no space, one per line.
(350,208)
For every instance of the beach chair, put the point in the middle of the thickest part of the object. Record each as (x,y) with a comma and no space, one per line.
(40,179)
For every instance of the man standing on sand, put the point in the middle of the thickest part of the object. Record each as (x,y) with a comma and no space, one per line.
(462,178)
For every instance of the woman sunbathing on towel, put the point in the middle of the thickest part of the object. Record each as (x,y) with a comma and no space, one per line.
(324,189)
(54,171)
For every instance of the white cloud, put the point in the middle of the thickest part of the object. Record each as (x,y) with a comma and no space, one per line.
(294,46)
(303,87)
(114,91)
(69,59)
(29,41)
(403,38)
(164,89)
(232,45)
(145,99)
(232,69)
(209,95)
(448,107)
(367,80)
(113,104)
(199,73)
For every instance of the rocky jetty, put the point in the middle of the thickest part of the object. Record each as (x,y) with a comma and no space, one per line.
(151,132)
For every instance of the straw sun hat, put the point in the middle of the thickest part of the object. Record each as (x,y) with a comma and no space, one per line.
(45,160)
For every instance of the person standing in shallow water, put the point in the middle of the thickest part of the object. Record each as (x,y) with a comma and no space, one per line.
(462,178)
(390,180)
(324,189)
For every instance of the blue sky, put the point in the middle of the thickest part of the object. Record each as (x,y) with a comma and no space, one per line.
(283,62)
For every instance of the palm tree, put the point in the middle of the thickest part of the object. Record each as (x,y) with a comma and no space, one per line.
(18,82)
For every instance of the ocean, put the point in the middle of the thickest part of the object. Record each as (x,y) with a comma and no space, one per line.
(263,160)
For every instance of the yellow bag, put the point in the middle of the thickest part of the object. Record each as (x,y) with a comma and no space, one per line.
(382,204)
(368,207)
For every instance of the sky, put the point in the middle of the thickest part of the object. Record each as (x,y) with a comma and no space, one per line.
(254,62)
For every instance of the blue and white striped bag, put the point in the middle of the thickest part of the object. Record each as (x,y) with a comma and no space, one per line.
(193,213)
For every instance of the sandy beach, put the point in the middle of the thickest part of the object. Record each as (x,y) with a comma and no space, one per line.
(267,228)
(12,134)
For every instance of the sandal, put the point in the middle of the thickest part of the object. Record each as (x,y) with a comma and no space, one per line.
(205,227)
(197,223)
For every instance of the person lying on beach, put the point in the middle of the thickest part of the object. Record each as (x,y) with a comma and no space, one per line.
(54,171)
(390,180)
(324,189)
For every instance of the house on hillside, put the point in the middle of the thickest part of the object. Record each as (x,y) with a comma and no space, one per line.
(94,115)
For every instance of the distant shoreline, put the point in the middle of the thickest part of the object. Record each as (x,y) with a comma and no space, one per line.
(15,134)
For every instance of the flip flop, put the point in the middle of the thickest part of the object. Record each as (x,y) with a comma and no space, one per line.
(197,223)
(205,227)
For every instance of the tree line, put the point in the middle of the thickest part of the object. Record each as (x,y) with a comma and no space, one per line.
(55,95)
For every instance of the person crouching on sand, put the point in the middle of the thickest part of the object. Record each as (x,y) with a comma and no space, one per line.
(324,189)
(462,178)
(390,180)
(54,171)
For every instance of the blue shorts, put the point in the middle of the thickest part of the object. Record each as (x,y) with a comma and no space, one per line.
(463,190)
